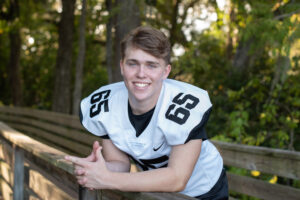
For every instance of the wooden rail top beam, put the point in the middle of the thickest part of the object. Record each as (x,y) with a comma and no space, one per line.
(56,158)
(268,160)
(49,154)
(279,153)
(54,117)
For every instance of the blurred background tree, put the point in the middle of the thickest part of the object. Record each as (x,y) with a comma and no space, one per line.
(244,53)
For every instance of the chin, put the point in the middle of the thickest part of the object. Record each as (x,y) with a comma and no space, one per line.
(140,94)
(141,97)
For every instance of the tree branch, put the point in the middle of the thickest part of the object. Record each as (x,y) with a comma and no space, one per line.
(280,17)
(191,4)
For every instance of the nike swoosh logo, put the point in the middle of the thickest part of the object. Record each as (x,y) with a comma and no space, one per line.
(155,149)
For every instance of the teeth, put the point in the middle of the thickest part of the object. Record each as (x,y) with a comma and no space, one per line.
(141,84)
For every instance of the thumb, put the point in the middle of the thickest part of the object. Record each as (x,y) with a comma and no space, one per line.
(96,146)
(92,156)
(99,156)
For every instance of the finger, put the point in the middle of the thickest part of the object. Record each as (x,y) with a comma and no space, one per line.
(91,157)
(67,157)
(70,158)
(80,172)
(96,145)
(82,181)
(76,160)
(99,155)
(77,167)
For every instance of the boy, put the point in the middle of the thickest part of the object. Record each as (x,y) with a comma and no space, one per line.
(157,122)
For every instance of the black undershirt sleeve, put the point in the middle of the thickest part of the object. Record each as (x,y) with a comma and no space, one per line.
(104,137)
(199,131)
(80,115)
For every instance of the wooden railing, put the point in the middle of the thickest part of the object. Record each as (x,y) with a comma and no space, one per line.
(64,133)
(267,160)
(19,150)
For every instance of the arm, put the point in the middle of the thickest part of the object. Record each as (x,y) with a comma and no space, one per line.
(170,179)
(116,160)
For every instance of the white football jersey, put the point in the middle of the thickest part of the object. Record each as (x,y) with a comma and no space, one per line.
(179,114)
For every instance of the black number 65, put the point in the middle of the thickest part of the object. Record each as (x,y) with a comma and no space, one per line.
(101,99)
(181,114)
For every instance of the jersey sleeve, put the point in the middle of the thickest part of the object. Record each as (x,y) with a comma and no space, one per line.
(198,132)
(184,117)
(91,109)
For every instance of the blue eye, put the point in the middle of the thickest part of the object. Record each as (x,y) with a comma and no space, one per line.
(131,64)
(152,66)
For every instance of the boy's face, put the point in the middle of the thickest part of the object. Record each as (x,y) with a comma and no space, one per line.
(143,75)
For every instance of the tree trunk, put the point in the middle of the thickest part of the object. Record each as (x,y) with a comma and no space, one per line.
(174,23)
(229,43)
(292,140)
(128,18)
(242,56)
(283,64)
(109,42)
(14,66)
(62,87)
(80,61)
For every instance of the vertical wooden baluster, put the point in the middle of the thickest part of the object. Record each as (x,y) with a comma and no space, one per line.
(85,194)
(26,182)
(18,174)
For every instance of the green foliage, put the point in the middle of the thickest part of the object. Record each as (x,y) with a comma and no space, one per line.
(271,116)
(39,21)
(95,74)
(250,107)
(258,105)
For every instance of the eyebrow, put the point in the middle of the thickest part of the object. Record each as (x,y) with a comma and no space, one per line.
(151,62)
(131,60)
(148,62)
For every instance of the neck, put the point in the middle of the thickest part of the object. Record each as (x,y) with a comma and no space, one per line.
(139,108)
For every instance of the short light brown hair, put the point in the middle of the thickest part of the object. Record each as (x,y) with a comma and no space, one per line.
(150,40)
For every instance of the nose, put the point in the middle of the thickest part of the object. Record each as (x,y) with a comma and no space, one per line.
(141,71)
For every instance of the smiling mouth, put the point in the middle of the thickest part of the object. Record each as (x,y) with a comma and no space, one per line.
(141,85)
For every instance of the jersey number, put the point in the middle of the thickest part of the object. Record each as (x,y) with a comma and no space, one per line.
(97,101)
(181,114)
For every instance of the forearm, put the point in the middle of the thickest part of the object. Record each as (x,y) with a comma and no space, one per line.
(169,179)
(158,180)
(117,166)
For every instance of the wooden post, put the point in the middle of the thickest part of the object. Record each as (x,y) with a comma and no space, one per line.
(85,194)
(18,174)
(26,182)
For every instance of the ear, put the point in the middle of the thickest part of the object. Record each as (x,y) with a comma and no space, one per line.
(167,71)
(121,66)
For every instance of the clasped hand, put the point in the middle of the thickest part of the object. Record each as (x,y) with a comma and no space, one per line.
(91,172)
